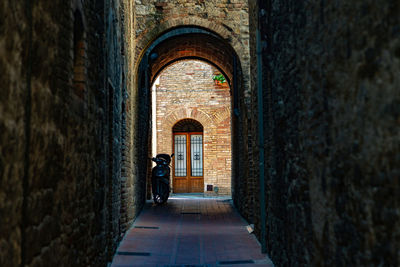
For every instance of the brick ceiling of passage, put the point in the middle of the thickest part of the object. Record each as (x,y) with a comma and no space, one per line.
(201,46)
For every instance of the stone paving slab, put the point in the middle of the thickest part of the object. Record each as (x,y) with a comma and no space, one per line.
(190,230)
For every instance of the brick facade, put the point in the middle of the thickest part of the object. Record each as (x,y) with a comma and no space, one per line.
(186,90)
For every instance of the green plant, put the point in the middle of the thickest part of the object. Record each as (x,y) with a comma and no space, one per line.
(219,77)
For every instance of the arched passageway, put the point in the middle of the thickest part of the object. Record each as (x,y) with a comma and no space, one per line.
(188,44)
(185,92)
(315,114)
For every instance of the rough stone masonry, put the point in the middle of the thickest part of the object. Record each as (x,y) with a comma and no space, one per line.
(331,91)
(74,125)
(66,168)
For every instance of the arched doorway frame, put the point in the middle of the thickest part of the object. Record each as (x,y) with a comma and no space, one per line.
(238,82)
(188,163)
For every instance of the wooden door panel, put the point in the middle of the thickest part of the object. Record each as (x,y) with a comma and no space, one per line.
(180,185)
(197,185)
(196,155)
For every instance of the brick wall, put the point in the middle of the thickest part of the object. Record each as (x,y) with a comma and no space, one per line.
(186,90)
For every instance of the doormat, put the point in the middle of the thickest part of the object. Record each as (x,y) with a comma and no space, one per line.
(128,253)
(235,262)
(147,227)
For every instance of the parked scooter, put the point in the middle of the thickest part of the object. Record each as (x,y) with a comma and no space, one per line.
(160,178)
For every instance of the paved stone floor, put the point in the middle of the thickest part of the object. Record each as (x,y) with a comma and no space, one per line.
(190,230)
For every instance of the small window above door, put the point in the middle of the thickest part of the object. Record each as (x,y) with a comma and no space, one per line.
(187,125)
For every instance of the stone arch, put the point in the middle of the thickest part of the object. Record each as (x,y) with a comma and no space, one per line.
(149,36)
(204,118)
(193,46)
(187,113)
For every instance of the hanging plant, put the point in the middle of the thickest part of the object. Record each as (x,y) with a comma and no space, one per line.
(219,77)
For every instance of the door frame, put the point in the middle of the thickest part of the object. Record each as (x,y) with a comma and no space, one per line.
(188,161)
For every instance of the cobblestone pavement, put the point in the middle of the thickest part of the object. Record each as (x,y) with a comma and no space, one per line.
(190,230)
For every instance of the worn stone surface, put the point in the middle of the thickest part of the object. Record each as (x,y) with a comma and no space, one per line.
(331,92)
(186,90)
(65,167)
(13,95)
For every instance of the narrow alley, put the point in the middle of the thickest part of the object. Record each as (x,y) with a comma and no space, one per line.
(191,230)
(282,114)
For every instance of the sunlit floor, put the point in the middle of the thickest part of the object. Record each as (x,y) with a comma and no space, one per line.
(190,230)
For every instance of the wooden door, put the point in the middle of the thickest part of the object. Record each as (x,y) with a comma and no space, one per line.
(188,163)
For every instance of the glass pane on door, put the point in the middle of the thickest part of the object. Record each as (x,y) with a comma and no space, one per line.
(196,148)
(180,155)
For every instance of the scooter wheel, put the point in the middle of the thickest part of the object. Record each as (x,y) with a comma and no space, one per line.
(158,199)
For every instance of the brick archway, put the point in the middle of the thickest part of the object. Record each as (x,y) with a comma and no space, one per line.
(198,46)
(205,101)
(147,37)
(218,41)
(179,114)
(187,113)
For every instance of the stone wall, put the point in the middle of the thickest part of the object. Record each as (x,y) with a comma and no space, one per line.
(13,163)
(132,197)
(63,128)
(331,104)
(247,200)
(74,121)
(186,90)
